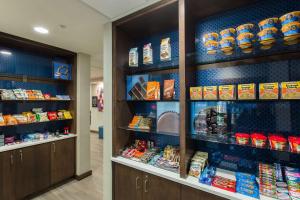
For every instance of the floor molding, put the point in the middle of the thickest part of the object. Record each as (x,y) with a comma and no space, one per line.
(84,175)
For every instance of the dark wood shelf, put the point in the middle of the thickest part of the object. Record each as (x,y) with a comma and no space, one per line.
(248,101)
(228,142)
(149,101)
(25,124)
(151,70)
(24,78)
(31,101)
(151,131)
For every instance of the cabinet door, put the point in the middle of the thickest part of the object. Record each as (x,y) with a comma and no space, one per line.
(128,183)
(62,160)
(194,194)
(24,159)
(42,166)
(156,188)
(8,175)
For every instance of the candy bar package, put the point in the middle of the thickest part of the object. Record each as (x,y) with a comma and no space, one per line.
(290,90)
(224,183)
(210,92)
(268,91)
(147,54)
(227,92)
(133,57)
(165,49)
(246,91)
(196,93)
(246,184)
(169,89)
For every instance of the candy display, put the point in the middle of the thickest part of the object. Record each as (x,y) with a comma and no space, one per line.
(290,90)
(147,54)
(246,184)
(153,90)
(224,183)
(267,180)
(140,122)
(268,91)
(20,94)
(7,94)
(169,89)
(210,92)
(198,164)
(277,142)
(293,181)
(246,91)
(133,57)
(196,93)
(242,138)
(259,140)
(165,49)
(227,92)
(294,143)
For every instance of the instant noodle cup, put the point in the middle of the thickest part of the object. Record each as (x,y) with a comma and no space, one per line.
(267,36)
(248,50)
(294,144)
(242,138)
(228,33)
(259,140)
(227,44)
(277,142)
(244,28)
(211,37)
(290,17)
(211,47)
(291,31)
(268,23)
(245,40)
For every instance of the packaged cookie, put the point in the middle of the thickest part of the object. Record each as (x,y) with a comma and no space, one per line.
(246,91)
(165,49)
(210,92)
(268,91)
(227,92)
(133,57)
(290,90)
(147,54)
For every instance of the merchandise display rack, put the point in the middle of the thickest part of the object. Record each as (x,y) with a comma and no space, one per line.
(196,68)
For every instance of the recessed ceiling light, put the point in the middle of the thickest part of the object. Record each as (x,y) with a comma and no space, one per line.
(4,52)
(41,30)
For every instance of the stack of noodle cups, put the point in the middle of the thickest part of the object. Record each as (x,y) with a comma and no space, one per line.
(227,42)
(211,42)
(268,31)
(245,37)
(291,27)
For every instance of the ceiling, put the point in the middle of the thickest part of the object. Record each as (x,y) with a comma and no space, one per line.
(83,21)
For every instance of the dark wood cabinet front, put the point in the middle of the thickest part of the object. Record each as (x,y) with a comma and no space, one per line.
(62,160)
(189,193)
(8,175)
(128,183)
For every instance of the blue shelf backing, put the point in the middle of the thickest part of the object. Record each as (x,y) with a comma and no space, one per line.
(231,19)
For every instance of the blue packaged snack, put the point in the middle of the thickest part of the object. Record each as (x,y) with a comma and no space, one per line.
(246,184)
(207,175)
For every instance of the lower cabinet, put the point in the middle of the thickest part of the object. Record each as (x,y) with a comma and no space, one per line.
(132,184)
(26,171)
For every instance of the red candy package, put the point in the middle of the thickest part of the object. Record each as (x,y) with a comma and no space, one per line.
(294,144)
(259,140)
(52,116)
(277,142)
(224,183)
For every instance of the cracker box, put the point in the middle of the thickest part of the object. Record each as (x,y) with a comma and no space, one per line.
(246,91)
(227,92)
(268,91)
(210,92)
(290,90)
(196,93)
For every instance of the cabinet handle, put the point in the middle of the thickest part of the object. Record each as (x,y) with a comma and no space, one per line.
(11,159)
(54,147)
(146,184)
(21,155)
(137,187)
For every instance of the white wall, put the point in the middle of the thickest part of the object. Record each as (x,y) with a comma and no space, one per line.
(107,144)
(96,116)
(83,159)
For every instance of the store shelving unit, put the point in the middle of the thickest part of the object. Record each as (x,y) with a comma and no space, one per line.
(191,18)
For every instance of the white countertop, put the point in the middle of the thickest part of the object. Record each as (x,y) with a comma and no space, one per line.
(190,181)
(33,143)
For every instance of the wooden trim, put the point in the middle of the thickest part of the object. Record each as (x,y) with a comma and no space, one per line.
(93,131)
(84,175)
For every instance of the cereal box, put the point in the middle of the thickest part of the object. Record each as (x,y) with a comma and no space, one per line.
(246,91)
(268,91)
(196,93)
(227,92)
(210,92)
(290,90)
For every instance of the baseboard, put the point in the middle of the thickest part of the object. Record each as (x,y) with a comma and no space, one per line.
(93,131)
(84,175)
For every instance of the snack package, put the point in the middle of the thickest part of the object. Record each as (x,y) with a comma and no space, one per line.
(67,115)
(42,117)
(199,162)
(210,93)
(277,142)
(290,90)
(259,140)
(10,120)
(31,118)
(196,93)
(47,96)
(268,91)
(294,142)
(242,138)
(38,94)
(224,183)
(169,89)
(208,175)
(133,57)
(165,49)
(147,54)
(60,115)
(2,122)
(246,184)
(153,90)
(30,95)
(52,116)
(267,180)
(20,94)
(7,94)
(21,119)
(227,92)
(246,91)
